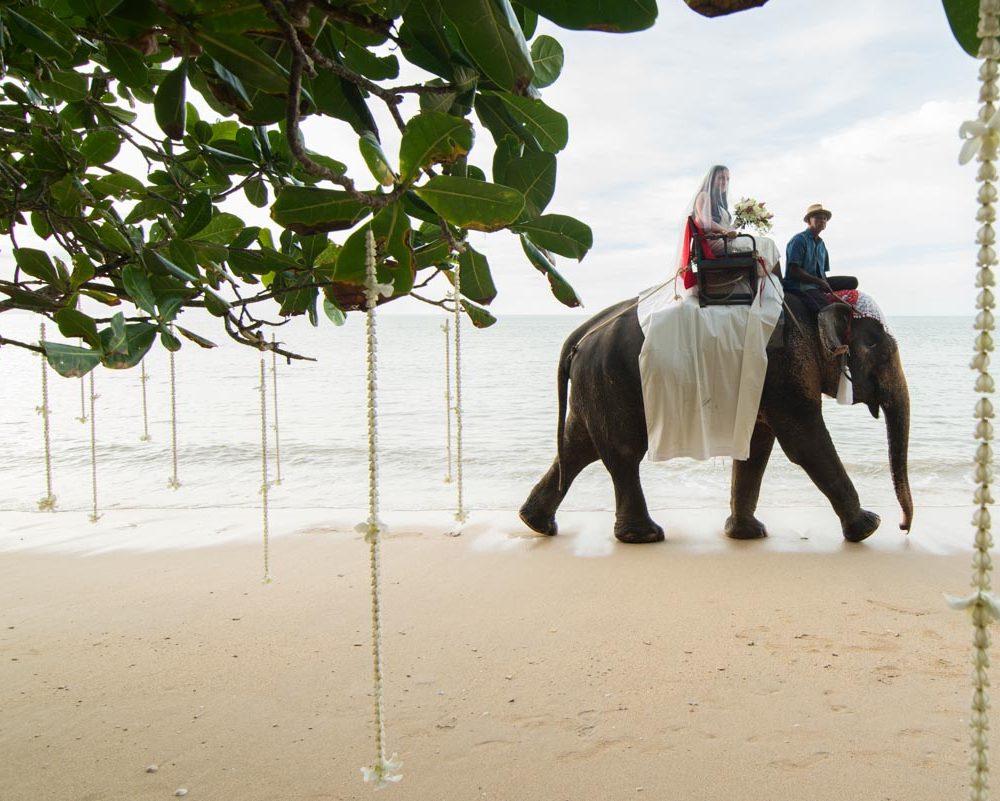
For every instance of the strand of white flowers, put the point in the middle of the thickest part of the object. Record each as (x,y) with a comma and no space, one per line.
(94,516)
(981,602)
(460,514)
(173,483)
(264,486)
(48,503)
(383,771)
(83,401)
(447,394)
(143,379)
(277,437)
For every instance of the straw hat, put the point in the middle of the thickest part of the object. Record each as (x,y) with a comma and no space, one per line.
(816,208)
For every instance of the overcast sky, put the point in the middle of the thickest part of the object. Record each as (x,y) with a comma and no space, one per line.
(853,104)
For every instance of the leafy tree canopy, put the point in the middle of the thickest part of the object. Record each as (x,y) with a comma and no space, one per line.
(88,83)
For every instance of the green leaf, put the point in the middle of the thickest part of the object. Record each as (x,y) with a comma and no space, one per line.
(70,361)
(147,209)
(492,38)
(170,105)
(337,97)
(157,261)
(33,34)
(100,147)
(560,287)
(547,56)
(561,234)
(256,192)
(197,214)
(65,85)
(378,164)
(432,254)
(311,210)
(476,280)
(468,203)
(73,323)
(127,65)
(547,125)
(424,39)
(432,137)
(479,316)
(963,18)
(527,18)
(260,262)
(120,185)
(391,228)
(40,225)
(508,149)
(252,65)
(83,271)
(534,176)
(622,16)
(37,264)
(498,120)
(130,345)
(113,338)
(169,341)
(334,312)
(196,338)
(222,230)
(137,285)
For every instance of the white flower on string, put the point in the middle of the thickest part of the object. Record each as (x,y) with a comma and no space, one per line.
(970,602)
(975,134)
(376,289)
(370,528)
(383,773)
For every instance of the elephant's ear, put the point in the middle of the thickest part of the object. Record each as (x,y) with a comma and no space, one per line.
(834,323)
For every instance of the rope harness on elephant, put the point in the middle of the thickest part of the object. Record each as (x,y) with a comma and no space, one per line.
(670,282)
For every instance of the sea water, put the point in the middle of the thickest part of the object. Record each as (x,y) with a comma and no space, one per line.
(508,413)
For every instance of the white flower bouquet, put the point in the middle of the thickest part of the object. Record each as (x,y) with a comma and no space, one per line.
(752,213)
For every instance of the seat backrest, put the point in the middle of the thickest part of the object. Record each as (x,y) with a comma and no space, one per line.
(697,234)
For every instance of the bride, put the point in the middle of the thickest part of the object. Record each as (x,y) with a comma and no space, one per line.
(710,210)
(702,369)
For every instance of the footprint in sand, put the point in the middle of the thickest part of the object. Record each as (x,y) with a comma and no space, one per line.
(802,762)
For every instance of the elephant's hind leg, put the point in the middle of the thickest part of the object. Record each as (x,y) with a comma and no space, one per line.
(632,521)
(539,512)
(747,475)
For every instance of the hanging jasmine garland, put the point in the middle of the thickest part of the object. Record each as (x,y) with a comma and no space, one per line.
(982,138)
(383,771)
(48,502)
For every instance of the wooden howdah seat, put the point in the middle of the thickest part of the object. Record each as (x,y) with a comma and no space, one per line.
(726,279)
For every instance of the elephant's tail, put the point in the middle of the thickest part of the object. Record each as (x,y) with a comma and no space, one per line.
(565,362)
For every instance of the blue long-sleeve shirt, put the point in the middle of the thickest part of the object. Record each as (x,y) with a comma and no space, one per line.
(809,252)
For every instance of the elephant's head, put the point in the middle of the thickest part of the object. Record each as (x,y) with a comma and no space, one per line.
(878,382)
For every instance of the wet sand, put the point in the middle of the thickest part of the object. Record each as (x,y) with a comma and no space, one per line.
(517,667)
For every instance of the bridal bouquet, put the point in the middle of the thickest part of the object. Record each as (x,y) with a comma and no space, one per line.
(751,213)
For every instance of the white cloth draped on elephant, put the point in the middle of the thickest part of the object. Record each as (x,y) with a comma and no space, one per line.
(702,370)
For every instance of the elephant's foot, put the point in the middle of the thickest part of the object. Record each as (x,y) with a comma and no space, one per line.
(635,533)
(745,528)
(542,523)
(861,527)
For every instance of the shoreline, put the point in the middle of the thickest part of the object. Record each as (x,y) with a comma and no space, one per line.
(514,669)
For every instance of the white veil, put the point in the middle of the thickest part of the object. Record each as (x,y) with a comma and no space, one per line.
(711,214)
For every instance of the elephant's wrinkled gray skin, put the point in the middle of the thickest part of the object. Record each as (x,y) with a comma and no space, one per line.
(606,420)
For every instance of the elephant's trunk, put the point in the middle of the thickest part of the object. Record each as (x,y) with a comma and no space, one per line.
(895,403)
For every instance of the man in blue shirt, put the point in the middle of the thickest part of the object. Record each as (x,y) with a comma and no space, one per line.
(808,263)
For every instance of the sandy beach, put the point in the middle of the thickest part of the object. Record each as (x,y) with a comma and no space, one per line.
(517,668)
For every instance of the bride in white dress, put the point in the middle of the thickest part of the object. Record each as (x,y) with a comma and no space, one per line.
(702,369)
(710,209)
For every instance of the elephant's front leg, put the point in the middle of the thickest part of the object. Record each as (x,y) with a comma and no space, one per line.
(747,475)
(807,443)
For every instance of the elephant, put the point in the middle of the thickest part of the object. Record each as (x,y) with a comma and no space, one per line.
(605,418)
